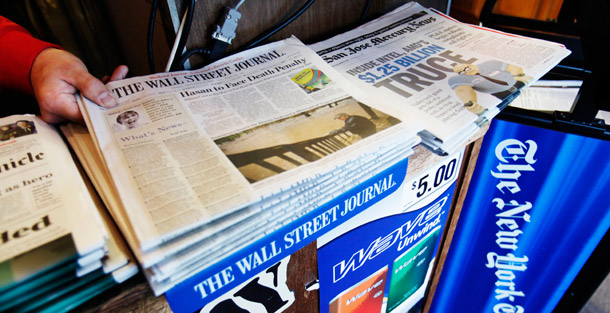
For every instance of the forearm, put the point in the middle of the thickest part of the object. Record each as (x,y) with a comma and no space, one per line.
(18,50)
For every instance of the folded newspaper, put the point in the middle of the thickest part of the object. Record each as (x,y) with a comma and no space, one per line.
(453,77)
(196,165)
(43,195)
(201,163)
(56,236)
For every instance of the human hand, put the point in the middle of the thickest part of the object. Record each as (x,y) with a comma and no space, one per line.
(56,75)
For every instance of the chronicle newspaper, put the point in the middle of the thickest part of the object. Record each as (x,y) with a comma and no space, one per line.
(45,201)
(184,149)
(453,76)
(61,262)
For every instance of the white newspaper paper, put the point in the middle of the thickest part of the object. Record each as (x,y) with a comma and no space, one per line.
(42,194)
(168,273)
(549,95)
(180,257)
(452,76)
(186,148)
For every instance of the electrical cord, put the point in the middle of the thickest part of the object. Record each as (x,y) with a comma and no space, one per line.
(239,4)
(149,42)
(189,53)
(256,41)
(222,36)
(365,11)
(181,36)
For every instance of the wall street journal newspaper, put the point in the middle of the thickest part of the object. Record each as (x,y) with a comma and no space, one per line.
(186,148)
(454,77)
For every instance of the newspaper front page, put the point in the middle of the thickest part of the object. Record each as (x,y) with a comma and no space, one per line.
(185,148)
(452,76)
(43,196)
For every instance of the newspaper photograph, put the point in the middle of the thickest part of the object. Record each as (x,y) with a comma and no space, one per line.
(185,148)
(452,76)
(42,193)
(302,138)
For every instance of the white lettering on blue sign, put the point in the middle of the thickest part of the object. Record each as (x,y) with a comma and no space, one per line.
(515,157)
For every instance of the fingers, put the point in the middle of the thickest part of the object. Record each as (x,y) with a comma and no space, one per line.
(57,74)
(119,73)
(94,89)
(64,106)
(61,107)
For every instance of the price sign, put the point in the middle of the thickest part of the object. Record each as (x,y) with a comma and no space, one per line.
(436,178)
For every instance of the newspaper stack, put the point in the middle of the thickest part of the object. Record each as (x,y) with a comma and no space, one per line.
(452,77)
(58,248)
(200,164)
(196,166)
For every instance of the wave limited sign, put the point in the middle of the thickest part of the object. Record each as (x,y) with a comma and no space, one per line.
(405,235)
(515,157)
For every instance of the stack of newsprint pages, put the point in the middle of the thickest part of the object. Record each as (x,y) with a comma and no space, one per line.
(200,164)
(453,77)
(58,248)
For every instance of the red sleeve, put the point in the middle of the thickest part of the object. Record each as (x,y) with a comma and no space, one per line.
(18,49)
